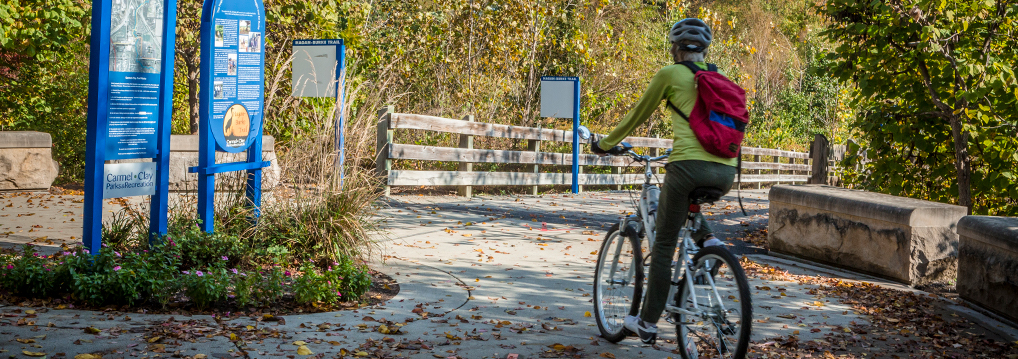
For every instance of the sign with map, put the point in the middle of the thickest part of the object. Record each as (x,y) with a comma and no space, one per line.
(135,63)
(234,84)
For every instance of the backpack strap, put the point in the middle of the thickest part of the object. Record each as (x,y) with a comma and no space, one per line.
(693,67)
(676,109)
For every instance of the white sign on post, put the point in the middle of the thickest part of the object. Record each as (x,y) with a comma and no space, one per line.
(129,179)
(557,97)
(314,68)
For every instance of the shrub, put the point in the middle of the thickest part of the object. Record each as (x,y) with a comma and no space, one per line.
(205,288)
(29,275)
(199,249)
(342,280)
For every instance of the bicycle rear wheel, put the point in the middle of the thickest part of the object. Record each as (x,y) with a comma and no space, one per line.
(723,330)
(618,283)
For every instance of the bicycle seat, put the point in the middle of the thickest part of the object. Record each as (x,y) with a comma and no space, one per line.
(702,195)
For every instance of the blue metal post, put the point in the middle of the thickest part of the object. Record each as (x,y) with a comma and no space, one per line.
(341,122)
(158,214)
(96,128)
(206,144)
(253,191)
(576,136)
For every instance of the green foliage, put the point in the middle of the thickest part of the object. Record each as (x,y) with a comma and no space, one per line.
(199,249)
(33,26)
(340,280)
(205,288)
(30,274)
(937,97)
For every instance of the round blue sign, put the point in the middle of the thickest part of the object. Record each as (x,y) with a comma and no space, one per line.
(233,71)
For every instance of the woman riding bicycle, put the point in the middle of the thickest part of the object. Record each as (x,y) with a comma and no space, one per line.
(689,165)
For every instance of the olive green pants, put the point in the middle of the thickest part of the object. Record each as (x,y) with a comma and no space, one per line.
(672,212)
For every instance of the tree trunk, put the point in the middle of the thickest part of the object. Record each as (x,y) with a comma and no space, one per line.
(192,93)
(962,163)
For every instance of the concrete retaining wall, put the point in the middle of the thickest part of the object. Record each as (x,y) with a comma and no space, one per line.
(988,263)
(893,237)
(26,161)
(184,154)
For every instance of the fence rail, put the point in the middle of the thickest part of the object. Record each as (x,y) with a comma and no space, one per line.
(797,166)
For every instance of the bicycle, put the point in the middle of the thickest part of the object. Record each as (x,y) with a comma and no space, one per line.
(705,324)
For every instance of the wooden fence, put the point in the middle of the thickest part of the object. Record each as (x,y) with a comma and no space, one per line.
(760,165)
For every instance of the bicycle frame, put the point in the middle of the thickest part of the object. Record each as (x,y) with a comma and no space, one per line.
(649,196)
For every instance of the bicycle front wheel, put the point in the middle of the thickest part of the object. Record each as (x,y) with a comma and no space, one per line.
(618,283)
(721,293)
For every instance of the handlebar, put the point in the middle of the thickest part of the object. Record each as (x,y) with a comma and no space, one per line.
(643,158)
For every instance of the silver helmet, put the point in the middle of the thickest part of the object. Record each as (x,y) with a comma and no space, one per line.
(692,30)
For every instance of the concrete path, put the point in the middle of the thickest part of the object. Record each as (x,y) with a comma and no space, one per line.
(479,278)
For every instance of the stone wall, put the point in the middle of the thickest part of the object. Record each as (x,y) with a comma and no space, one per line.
(892,237)
(26,161)
(184,154)
(988,263)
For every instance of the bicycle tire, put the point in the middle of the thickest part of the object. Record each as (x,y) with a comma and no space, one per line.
(745,315)
(616,332)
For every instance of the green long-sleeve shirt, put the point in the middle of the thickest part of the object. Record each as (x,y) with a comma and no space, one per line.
(678,84)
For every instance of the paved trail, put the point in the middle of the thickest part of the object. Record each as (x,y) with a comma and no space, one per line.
(479,278)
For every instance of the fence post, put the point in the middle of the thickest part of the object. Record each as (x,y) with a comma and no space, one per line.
(759,184)
(818,152)
(383,141)
(466,142)
(777,173)
(535,145)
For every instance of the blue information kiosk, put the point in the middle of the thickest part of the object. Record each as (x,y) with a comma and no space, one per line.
(232,98)
(130,103)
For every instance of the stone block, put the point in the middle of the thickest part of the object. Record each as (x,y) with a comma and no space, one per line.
(893,237)
(26,161)
(25,139)
(988,263)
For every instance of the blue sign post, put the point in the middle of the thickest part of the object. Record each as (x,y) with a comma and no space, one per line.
(232,81)
(560,97)
(130,94)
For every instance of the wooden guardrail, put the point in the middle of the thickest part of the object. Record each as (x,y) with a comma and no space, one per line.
(794,168)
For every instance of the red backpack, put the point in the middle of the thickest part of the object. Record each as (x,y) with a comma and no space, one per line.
(719,116)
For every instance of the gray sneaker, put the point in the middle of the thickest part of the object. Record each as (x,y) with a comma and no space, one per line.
(646,331)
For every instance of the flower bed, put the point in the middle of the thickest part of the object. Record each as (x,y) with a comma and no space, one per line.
(157,278)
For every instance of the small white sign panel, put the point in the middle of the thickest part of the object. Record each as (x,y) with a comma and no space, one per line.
(129,179)
(314,71)
(557,97)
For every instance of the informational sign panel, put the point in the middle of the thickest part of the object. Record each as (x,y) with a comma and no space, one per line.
(560,98)
(232,81)
(316,67)
(237,56)
(557,95)
(130,102)
(129,179)
(135,59)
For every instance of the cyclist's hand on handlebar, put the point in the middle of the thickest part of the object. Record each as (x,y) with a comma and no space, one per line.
(595,148)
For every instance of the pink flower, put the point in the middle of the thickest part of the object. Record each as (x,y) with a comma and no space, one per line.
(199,273)
(10,266)
(234,270)
(116,268)
(224,258)
(117,253)
(187,272)
(243,274)
(330,268)
(286,273)
(339,294)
